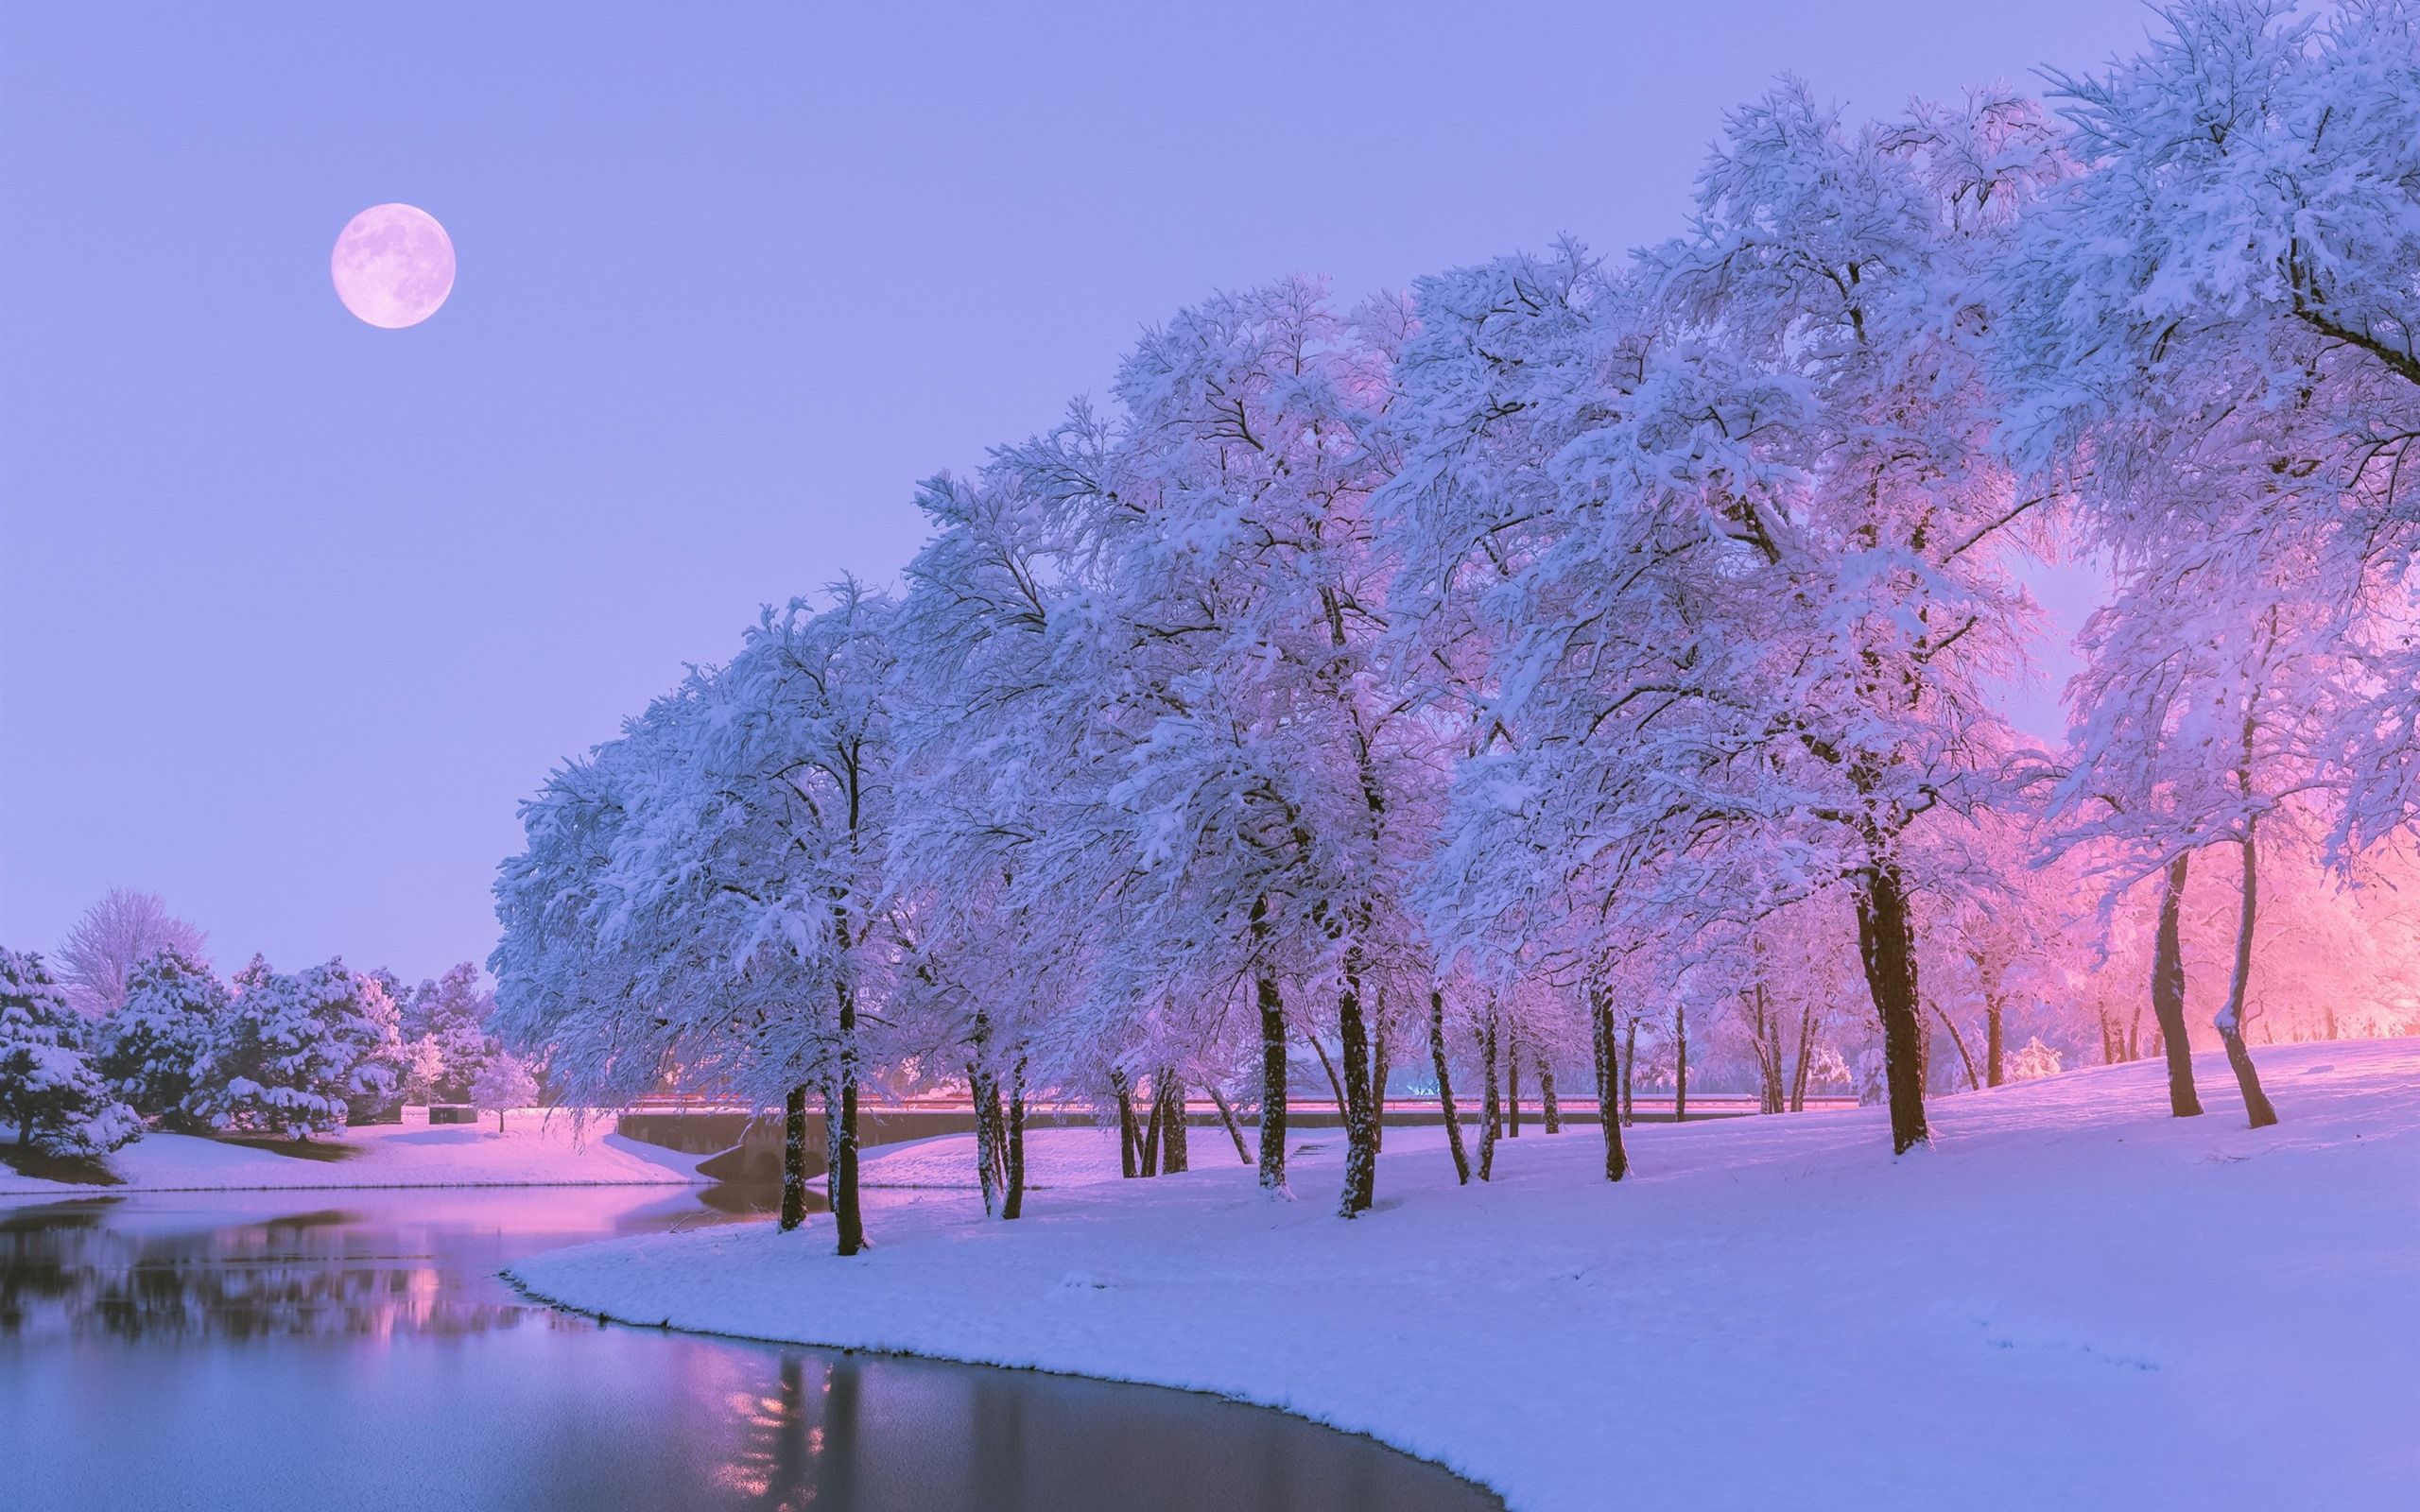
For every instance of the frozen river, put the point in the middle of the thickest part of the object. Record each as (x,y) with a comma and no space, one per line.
(357,1350)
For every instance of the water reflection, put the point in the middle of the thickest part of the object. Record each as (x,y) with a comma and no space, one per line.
(252,1349)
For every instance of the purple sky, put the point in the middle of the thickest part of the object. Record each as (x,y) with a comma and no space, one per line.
(293,611)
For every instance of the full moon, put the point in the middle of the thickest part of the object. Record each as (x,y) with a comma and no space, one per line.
(393,265)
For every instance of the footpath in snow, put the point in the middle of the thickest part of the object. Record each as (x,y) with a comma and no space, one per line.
(535,1149)
(2071,1300)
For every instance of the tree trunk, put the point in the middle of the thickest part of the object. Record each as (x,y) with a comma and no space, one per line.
(1491,1108)
(1973,1082)
(1227,1116)
(1335,1083)
(840,1134)
(1769,1097)
(1994,1042)
(1805,1056)
(1012,1202)
(1129,1137)
(987,1134)
(999,1131)
(1609,1083)
(1630,1067)
(2230,1019)
(1378,1070)
(2168,993)
(1361,1144)
(1887,947)
(1445,1086)
(793,1159)
(1151,1130)
(1680,1061)
(1176,1154)
(1511,1077)
(1549,1109)
(1272,1083)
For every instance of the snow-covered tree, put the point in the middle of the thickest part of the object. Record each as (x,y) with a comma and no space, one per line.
(1735,523)
(1235,788)
(295,1053)
(503,1083)
(2215,346)
(50,1094)
(706,895)
(154,1046)
(420,1069)
(450,1014)
(113,939)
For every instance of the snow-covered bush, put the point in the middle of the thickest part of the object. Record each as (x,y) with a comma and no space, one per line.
(450,1015)
(2033,1058)
(503,1083)
(50,1093)
(294,1053)
(152,1048)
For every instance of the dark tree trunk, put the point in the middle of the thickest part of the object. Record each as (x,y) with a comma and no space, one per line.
(1994,1042)
(1887,946)
(1272,1083)
(1491,1107)
(1511,1077)
(2168,993)
(1548,1109)
(794,1158)
(1445,1086)
(1227,1116)
(1361,1140)
(1680,1062)
(1609,1083)
(1012,1201)
(1129,1137)
(840,1134)
(2229,1021)
(1630,1067)
(1175,1154)
(1151,1130)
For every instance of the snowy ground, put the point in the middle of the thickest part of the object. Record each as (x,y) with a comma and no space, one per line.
(2071,1300)
(535,1149)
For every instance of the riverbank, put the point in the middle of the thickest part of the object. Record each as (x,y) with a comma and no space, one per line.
(2070,1300)
(535,1149)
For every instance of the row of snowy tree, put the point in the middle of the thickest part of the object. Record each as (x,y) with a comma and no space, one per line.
(1496,669)
(145,1033)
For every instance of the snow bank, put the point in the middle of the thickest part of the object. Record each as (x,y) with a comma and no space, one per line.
(2071,1300)
(1054,1158)
(535,1149)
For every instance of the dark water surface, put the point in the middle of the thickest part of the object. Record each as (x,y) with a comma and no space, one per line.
(340,1349)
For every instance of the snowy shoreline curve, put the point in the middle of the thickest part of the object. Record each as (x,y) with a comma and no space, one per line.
(2068,1278)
